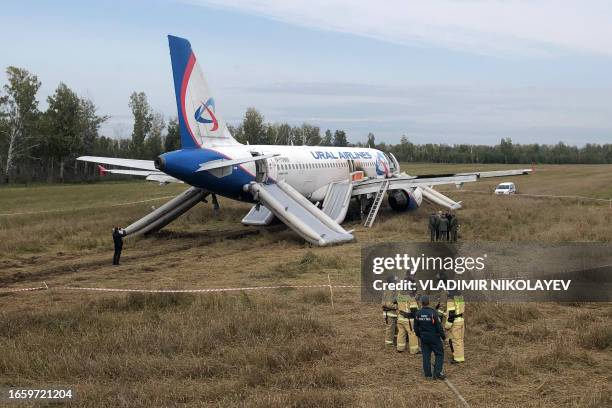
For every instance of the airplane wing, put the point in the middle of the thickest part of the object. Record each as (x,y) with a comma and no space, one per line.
(404,181)
(426,181)
(142,173)
(478,174)
(499,173)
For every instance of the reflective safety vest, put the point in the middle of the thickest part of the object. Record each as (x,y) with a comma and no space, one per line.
(407,307)
(455,307)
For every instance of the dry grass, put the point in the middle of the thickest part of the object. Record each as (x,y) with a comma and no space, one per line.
(309,262)
(123,339)
(281,348)
(598,338)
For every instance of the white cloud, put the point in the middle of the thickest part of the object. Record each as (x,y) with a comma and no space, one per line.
(510,27)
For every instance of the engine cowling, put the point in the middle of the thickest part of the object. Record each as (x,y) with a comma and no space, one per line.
(401,200)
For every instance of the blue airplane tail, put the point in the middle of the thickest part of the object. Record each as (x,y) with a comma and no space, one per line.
(200,124)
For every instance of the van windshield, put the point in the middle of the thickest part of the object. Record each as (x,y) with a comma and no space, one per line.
(503,187)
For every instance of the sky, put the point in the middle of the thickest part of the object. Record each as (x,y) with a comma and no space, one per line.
(441,71)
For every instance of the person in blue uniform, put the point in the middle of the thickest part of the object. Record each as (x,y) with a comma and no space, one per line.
(428,328)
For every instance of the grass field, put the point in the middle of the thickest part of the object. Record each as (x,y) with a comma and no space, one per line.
(285,347)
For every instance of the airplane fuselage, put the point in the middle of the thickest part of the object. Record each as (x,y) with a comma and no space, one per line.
(308,169)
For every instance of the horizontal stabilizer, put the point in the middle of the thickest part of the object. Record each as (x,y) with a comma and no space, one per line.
(145,168)
(162,178)
(142,173)
(114,161)
(217,164)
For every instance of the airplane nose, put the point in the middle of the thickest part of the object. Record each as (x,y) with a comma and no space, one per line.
(160,163)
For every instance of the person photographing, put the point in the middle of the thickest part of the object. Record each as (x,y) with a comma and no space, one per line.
(118,234)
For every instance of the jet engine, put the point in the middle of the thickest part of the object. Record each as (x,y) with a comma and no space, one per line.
(402,200)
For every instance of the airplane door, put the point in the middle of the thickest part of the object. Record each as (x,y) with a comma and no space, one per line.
(351,166)
(393,164)
(261,168)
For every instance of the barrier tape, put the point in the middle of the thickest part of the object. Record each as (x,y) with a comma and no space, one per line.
(455,391)
(208,290)
(84,208)
(23,289)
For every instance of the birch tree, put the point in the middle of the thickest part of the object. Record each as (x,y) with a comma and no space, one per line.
(20,111)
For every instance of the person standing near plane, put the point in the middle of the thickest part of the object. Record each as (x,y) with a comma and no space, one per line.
(118,234)
(428,328)
(455,308)
(389,307)
(454,227)
(432,227)
(443,227)
(406,308)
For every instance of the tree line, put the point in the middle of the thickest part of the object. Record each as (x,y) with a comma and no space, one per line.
(43,146)
(40,145)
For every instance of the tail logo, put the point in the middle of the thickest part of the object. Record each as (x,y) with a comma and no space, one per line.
(381,165)
(207,107)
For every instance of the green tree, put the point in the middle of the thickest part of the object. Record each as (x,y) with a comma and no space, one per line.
(506,149)
(340,138)
(63,126)
(295,136)
(153,143)
(283,134)
(371,141)
(253,128)
(143,118)
(90,124)
(173,137)
(271,135)
(327,139)
(20,114)
(311,135)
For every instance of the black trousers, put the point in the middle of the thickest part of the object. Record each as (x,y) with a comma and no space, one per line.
(429,344)
(117,255)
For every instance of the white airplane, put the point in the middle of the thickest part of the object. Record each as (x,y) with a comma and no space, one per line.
(307,187)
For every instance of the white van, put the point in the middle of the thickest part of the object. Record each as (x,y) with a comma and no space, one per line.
(505,188)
